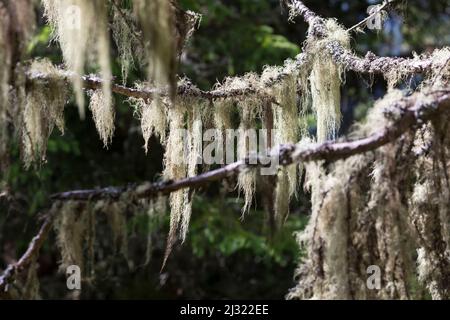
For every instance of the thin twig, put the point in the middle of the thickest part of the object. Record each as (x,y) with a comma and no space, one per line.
(383,6)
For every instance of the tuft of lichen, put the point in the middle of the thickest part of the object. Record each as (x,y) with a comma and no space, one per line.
(81,28)
(153,116)
(325,80)
(71,227)
(31,288)
(42,109)
(175,161)
(103,114)
(157,22)
(125,37)
(250,109)
(287,126)
(116,215)
(5,61)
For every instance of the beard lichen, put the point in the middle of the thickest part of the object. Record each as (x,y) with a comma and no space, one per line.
(103,114)
(153,116)
(175,161)
(125,38)
(250,109)
(42,109)
(5,61)
(325,79)
(116,215)
(31,288)
(157,23)
(71,226)
(81,27)
(286,124)
(430,213)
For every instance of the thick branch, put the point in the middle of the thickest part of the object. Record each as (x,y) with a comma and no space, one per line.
(371,63)
(376,65)
(92,82)
(415,110)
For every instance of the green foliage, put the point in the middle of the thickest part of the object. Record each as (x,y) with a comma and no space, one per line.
(217,227)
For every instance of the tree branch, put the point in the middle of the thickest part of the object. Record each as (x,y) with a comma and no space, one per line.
(415,110)
(92,82)
(371,64)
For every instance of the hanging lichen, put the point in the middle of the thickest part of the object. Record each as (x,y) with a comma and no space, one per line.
(31,289)
(194,158)
(153,116)
(103,114)
(249,108)
(155,213)
(175,161)
(5,62)
(325,80)
(71,227)
(125,36)
(81,27)
(17,23)
(223,111)
(286,118)
(116,212)
(158,22)
(430,213)
(42,109)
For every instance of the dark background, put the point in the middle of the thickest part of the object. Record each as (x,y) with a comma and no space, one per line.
(222,257)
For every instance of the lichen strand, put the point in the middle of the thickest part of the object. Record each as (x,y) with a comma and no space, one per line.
(430,213)
(31,288)
(155,213)
(103,114)
(176,167)
(125,37)
(17,23)
(153,116)
(81,28)
(194,157)
(287,126)
(250,108)
(325,79)
(71,225)
(116,215)
(5,62)
(42,108)
(157,21)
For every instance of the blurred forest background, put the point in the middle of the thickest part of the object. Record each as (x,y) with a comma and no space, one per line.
(222,257)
